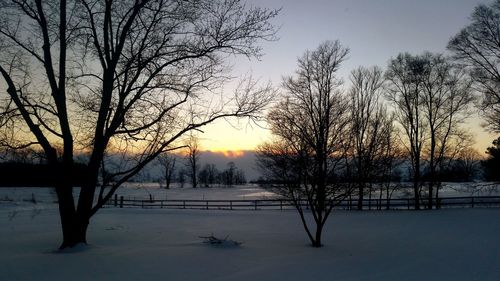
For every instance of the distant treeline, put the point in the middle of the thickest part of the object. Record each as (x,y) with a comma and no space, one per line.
(26,174)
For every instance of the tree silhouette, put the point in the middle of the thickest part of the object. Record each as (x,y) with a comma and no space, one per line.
(431,96)
(193,159)
(119,76)
(477,47)
(371,127)
(310,127)
(404,85)
(492,164)
(167,162)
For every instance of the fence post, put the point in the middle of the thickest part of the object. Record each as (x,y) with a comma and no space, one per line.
(472,201)
(116,200)
(230,205)
(142,204)
(255,204)
(281,205)
(121,201)
(184,204)
(408,203)
(207,205)
(161,204)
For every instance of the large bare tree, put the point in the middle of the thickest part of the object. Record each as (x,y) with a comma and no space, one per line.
(129,77)
(371,127)
(477,46)
(310,127)
(446,95)
(431,97)
(403,88)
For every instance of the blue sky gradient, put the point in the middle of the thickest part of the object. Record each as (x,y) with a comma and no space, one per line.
(374,30)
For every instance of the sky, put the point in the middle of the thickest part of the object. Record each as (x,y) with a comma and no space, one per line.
(374,30)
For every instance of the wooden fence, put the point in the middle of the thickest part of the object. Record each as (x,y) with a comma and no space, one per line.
(283,204)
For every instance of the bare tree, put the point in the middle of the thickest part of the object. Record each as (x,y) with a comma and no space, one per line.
(390,157)
(239,177)
(468,163)
(464,166)
(181,177)
(209,175)
(193,159)
(212,173)
(371,127)
(446,95)
(203,176)
(432,98)
(124,76)
(310,126)
(403,90)
(230,173)
(477,46)
(167,162)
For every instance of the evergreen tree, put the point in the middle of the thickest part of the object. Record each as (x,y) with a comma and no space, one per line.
(492,164)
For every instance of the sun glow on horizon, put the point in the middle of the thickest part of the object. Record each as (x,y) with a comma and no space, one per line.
(225,138)
(229,153)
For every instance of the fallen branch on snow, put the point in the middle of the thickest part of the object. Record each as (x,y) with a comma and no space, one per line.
(212,240)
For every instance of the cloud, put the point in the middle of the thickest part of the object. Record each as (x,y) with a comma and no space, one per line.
(228,153)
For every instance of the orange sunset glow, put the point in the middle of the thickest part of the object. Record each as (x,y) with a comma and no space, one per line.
(229,153)
(221,137)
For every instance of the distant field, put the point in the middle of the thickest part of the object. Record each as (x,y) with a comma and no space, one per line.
(46,195)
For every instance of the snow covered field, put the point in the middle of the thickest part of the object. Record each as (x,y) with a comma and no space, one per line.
(47,196)
(160,244)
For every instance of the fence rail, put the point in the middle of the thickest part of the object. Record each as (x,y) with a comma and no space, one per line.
(283,204)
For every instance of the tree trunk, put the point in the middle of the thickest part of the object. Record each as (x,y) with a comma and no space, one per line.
(360,197)
(317,238)
(75,221)
(77,235)
(432,167)
(74,233)
(438,186)
(380,197)
(416,185)
(431,195)
(369,198)
(168,177)
(416,194)
(67,214)
(387,194)
(74,229)
(432,178)
(195,182)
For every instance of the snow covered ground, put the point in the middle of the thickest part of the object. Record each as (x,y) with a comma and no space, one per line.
(160,244)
